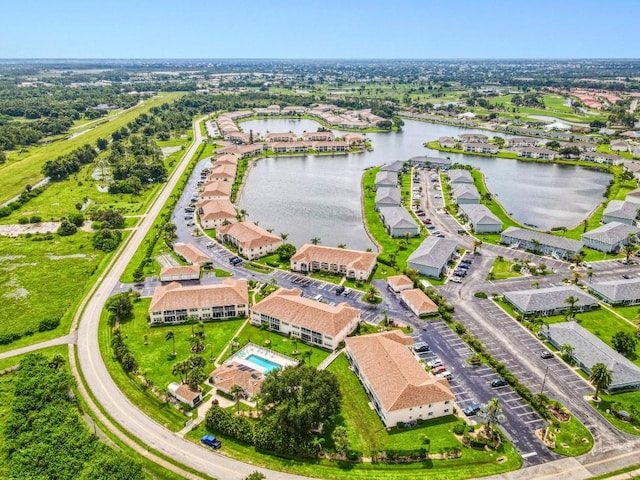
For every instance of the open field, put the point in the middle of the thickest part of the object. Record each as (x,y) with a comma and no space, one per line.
(42,279)
(24,167)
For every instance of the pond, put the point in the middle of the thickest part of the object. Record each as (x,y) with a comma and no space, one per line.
(320,196)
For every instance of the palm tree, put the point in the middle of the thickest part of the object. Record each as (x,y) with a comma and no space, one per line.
(180,369)
(243,214)
(307,354)
(294,341)
(576,276)
(491,413)
(476,245)
(56,361)
(235,343)
(589,274)
(536,245)
(237,391)
(372,294)
(315,241)
(571,301)
(265,327)
(628,251)
(600,377)
(567,350)
(201,328)
(535,284)
(284,236)
(171,336)
(197,344)
(342,245)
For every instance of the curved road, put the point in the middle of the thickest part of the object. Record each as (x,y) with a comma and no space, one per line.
(100,383)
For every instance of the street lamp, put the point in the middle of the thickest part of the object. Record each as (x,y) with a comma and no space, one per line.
(544,380)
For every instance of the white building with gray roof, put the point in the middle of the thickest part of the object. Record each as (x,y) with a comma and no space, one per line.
(465,193)
(432,256)
(618,292)
(399,222)
(395,167)
(611,237)
(481,219)
(620,211)
(387,197)
(550,301)
(458,175)
(589,350)
(544,243)
(386,179)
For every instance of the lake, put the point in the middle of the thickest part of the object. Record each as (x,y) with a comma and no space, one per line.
(319,196)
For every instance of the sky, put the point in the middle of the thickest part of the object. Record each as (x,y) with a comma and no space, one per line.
(311,29)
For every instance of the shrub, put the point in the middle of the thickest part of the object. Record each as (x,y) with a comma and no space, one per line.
(48,324)
(459,428)
(23,220)
(35,219)
(480,295)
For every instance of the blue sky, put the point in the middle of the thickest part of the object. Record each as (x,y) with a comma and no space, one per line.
(327,29)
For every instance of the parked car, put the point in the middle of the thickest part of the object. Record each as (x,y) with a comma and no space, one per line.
(471,410)
(499,382)
(421,347)
(211,441)
(626,276)
(347,292)
(446,374)
(455,279)
(545,354)
(436,362)
(439,369)
(340,289)
(210,244)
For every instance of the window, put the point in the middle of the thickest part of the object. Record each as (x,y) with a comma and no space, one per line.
(430,414)
(446,402)
(446,410)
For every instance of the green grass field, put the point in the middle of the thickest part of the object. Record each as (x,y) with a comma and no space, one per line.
(24,167)
(503,269)
(622,401)
(42,280)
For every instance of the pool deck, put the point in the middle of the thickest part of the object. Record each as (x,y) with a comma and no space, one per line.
(252,349)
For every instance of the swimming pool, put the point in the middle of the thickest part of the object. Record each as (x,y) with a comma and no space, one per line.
(264,364)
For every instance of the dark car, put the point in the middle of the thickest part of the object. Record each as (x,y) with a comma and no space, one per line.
(498,382)
(626,276)
(211,441)
(546,354)
(234,259)
(421,347)
(339,290)
(471,410)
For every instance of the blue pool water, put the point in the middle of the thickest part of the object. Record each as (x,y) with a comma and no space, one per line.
(267,365)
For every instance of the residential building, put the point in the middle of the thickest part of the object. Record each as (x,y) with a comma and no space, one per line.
(550,301)
(447,142)
(216,190)
(247,151)
(473,138)
(418,302)
(396,167)
(191,253)
(459,176)
(353,139)
(598,157)
(620,211)
(619,146)
(250,240)
(290,147)
(316,323)
(173,303)
(481,219)
(480,148)
(619,292)
(386,179)
(330,146)
(387,197)
(432,256)
(318,136)
(522,142)
(176,273)
(350,263)
(465,193)
(544,243)
(398,283)
(611,237)
(280,137)
(229,374)
(399,388)
(237,137)
(582,146)
(215,213)
(588,350)
(399,222)
(633,197)
(226,159)
(434,162)
(185,394)
(223,173)
(534,152)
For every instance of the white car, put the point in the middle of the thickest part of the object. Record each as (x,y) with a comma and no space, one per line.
(446,374)
(436,362)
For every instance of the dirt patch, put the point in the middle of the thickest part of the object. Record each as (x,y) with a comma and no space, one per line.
(559,413)
(10,258)
(502,459)
(64,257)
(18,229)
(547,437)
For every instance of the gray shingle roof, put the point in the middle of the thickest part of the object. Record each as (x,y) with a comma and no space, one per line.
(395,167)
(552,298)
(618,290)
(589,350)
(465,190)
(543,239)
(480,214)
(434,252)
(386,178)
(388,195)
(620,209)
(611,233)
(397,217)
(459,176)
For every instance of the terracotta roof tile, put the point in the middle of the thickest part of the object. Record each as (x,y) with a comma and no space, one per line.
(191,254)
(249,235)
(339,256)
(176,297)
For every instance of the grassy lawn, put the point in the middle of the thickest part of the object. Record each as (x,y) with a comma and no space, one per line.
(572,434)
(43,279)
(389,246)
(24,167)
(279,343)
(630,313)
(622,401)
(502,269)
(155,357)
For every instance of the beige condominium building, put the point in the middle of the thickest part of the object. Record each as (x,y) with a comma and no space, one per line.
(250,240)
(350,263)
(399,387)
(313,322)
(173,303)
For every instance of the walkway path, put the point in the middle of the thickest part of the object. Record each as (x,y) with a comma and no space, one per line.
(64,340)
(327,361)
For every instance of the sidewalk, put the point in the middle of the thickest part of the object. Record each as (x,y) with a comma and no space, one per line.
(327,361)
(202,410)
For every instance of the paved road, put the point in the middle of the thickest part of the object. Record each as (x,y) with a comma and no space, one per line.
(64,340)
(99,381)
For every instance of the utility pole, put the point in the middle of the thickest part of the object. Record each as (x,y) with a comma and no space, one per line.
(544,380)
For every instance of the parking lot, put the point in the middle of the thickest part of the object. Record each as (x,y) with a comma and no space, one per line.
(473,385)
